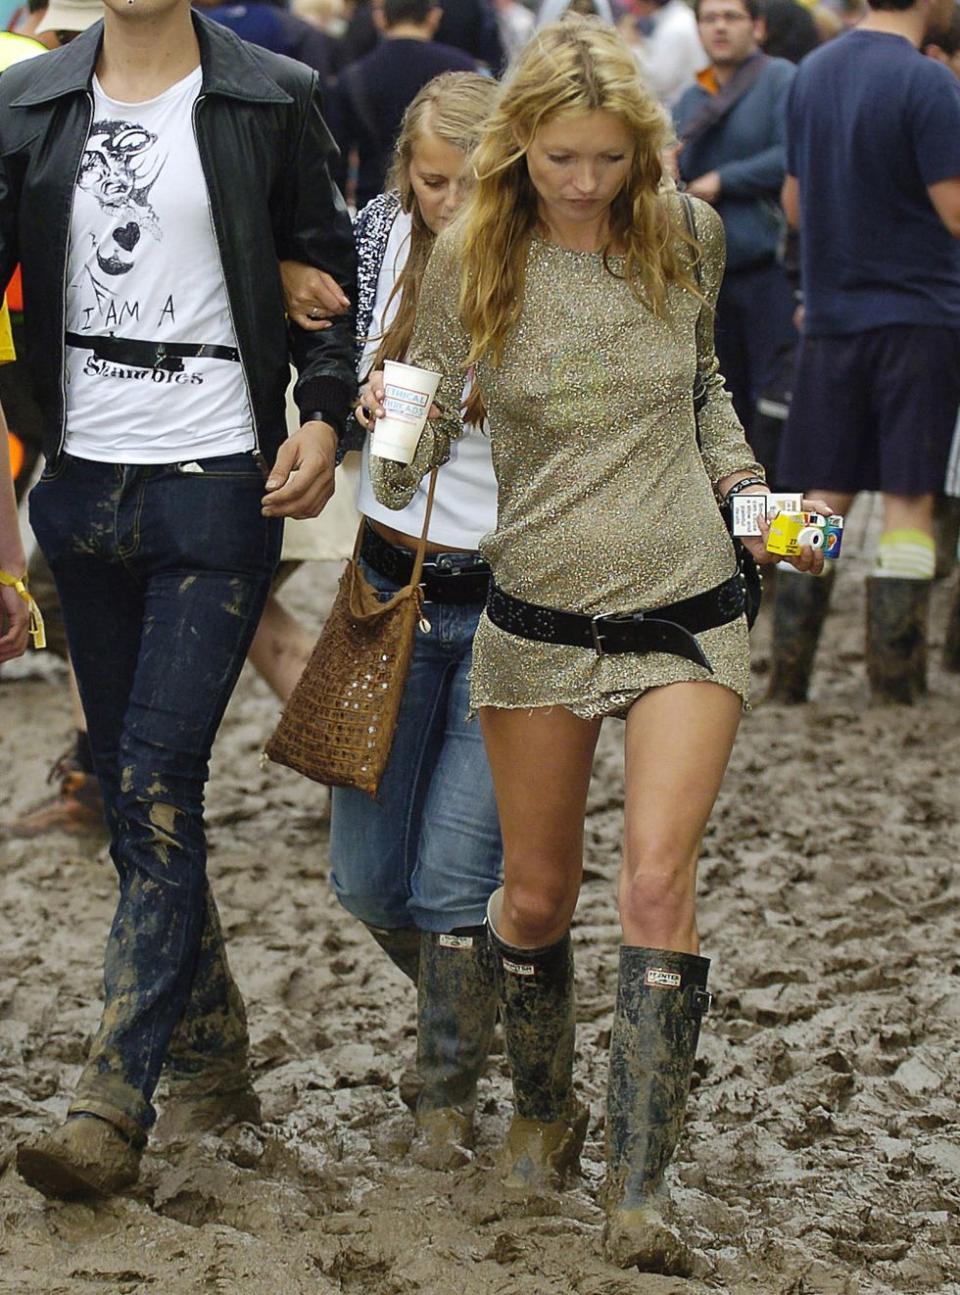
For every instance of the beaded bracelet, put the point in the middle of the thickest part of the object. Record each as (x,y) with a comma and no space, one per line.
(36,628)
(737,486)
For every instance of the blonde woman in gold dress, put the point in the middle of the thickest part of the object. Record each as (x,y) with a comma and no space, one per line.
(570,287)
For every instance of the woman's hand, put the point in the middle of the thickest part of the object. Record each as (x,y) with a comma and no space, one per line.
(370,401)
(311,296)
(808,559)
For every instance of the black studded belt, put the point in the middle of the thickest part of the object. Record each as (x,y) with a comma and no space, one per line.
(150,355)
(664,629)
(444,579)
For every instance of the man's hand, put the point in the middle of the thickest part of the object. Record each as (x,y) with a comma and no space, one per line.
(705,186)
(301,481)
(312,297)
(14,623)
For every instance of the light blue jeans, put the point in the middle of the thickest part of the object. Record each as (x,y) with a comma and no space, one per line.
(427,851)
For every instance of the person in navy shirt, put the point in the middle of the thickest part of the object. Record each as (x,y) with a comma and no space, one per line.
(371,95)
(873,183)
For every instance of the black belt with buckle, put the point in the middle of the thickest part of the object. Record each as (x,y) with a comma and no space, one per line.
(663,629)
(168,356)
(442,581)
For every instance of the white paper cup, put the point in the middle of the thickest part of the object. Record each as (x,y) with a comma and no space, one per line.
(408,394)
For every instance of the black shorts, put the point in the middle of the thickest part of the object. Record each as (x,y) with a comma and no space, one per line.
(873,411)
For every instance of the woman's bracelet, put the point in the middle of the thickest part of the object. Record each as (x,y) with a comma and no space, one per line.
(737,486)
(19,585)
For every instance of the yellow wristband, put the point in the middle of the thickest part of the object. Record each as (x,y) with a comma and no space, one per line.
(36,629)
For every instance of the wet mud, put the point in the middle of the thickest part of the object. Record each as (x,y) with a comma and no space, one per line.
(821,1153)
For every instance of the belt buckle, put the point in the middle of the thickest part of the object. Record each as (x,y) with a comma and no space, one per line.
(160,355)
(621,618)
(595,633)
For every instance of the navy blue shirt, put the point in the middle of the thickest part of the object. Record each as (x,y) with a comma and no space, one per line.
(871,123)
(372,95)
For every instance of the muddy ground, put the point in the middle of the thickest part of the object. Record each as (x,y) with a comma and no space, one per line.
(821,1152)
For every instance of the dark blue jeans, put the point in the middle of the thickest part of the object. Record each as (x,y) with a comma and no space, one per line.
(162,574)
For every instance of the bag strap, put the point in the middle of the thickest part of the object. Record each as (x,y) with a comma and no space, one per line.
(719,105)
(421,544)
(699,386)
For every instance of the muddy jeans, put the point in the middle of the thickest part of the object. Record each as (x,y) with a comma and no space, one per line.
(162,574)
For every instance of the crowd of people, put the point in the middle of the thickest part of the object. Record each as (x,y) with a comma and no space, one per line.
(621,237)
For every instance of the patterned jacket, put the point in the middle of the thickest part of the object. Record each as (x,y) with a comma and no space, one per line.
(371,231)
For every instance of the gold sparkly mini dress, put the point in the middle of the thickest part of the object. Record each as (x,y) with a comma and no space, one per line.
(605,501)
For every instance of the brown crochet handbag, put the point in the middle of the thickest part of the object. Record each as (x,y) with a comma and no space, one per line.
(337,728)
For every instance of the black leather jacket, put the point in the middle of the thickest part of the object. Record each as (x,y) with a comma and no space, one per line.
(263,147)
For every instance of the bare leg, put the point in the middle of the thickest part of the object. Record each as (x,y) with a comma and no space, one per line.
(541,762)
(678,742)
(76,706)
(908,513)
(281,648)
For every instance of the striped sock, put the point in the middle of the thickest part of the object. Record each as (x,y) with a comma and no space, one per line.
(906,555)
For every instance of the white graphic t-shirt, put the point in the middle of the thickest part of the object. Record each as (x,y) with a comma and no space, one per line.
(144,269)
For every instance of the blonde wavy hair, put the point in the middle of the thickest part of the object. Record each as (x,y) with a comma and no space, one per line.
(452,106)
(577,65)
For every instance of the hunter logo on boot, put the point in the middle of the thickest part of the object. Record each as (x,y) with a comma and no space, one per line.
(455,941)
(660,978)
(519,968)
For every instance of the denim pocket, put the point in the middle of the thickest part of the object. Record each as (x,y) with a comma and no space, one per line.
(54,469)
(242,466)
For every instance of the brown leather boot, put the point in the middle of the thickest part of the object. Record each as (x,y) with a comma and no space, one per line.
(86,1156)
(76,807)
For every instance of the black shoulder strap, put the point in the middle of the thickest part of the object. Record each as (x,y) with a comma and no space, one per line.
(718,105)
(699,386)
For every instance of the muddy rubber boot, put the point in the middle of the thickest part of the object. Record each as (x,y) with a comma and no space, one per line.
(799,610)
(539,1024)
(951,645)
(661,999)
(897,638)
(401,944)
(456,1014)
(946,533)
(86,1156)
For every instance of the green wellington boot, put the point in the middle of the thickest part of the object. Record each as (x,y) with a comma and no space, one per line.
(897,611)
(661,999)
(401,944)
(799,609)
(456,1015)
(539,1024)
(86,1156)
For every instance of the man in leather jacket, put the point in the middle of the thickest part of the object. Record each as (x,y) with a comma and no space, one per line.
(152,175)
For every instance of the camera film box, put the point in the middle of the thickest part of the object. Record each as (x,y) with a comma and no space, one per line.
(747,508)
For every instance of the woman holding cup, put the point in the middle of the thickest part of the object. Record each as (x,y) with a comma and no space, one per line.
(418,864)
(568,287)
